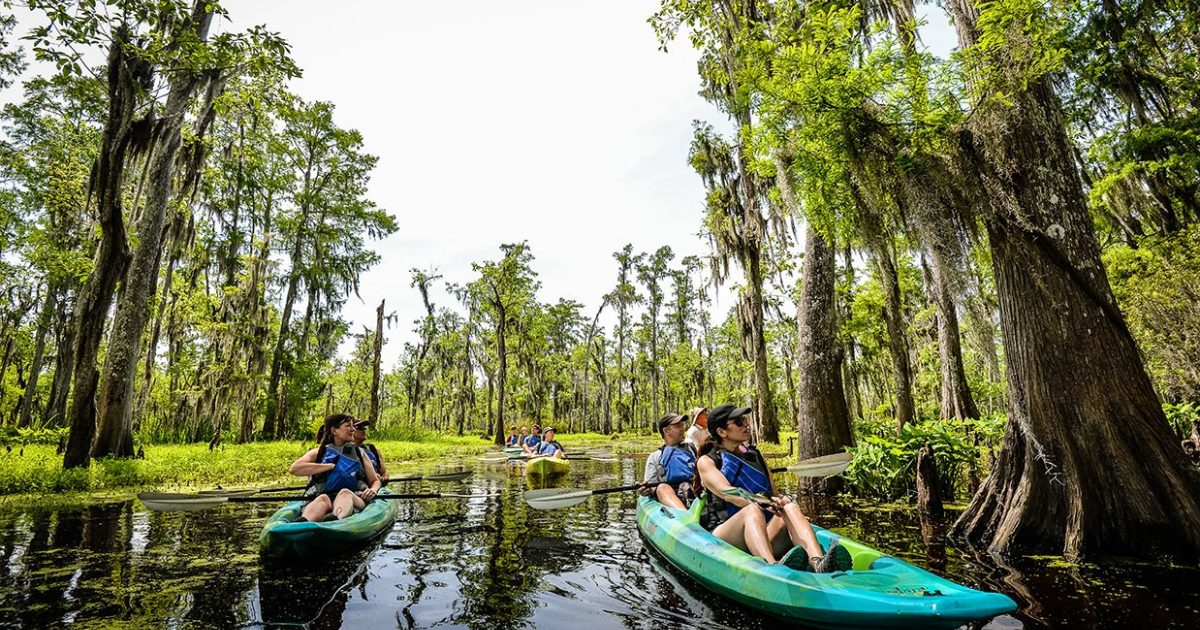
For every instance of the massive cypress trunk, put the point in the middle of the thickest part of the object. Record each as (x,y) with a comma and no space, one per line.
(824,422)
(114,435)
(127,77)
(1089,464)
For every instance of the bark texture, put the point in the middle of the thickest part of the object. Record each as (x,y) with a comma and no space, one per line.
(114,435)
(1089,464)
(824,420)
(127,76)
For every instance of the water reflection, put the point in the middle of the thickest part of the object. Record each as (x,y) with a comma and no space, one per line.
(486,563)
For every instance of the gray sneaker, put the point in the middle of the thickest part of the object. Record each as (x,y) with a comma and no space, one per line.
(796,559)
(836,559)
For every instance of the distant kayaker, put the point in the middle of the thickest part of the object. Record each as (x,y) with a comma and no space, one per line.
(513,439)
(740,522)
(549,447)
(341,477)
(671,470)
(697,434)
(531,441)
(360,438)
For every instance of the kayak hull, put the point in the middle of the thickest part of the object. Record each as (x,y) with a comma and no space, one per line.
(283,537)
(547,467)
(513,450)
(880,591)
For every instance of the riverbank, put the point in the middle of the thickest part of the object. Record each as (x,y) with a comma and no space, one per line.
(37,469)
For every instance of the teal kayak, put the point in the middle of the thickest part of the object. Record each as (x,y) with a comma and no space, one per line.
(282,536)
(879,591)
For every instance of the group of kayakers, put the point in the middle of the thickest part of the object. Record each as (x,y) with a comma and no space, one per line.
(536,442)
(714,456)
(344,471)
(708,459)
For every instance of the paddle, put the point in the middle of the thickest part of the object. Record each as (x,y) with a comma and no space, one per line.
(555,498)
(176,502)
(454,476)
(823,466)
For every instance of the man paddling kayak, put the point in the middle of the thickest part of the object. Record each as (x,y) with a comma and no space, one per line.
(341,478)
(549,447)
(360,438)
(762,531)
(671,470)
(530,443)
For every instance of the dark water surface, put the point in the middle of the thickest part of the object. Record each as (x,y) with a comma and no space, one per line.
(488,563)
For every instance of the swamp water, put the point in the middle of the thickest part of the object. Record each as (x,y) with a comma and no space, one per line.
(489,563)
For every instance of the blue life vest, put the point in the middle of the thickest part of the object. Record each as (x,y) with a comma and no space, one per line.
(371,455)
(741,474)
(512,440)
(347,473)
(679,464)
(532,441)
(548,449)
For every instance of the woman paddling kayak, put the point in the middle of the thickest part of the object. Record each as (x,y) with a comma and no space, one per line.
(762,531)
(341,477)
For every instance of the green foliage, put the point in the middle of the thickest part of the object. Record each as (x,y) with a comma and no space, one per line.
(1181,417)
(1156,286)
(884,466)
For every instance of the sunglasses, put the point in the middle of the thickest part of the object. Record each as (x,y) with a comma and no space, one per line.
(740,421)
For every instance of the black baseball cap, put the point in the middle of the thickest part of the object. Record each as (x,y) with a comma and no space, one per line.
(669,419)
(362,424)
(720,417)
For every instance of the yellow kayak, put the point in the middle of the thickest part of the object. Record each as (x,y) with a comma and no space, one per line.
(546,466)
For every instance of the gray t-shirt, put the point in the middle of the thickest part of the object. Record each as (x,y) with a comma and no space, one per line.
(655,473)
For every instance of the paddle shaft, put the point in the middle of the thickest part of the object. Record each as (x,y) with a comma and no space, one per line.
(427,495)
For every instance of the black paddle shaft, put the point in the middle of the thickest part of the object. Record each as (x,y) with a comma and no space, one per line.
(621,489)
(428,495)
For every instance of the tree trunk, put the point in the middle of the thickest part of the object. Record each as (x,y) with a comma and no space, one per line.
(29,400)
(893,317)
(929,487)
(824,421)
(764,402)
(126,74)
(114,435)
(502,354)
(64,368)
(1089,464)
(375,364)
(957,402)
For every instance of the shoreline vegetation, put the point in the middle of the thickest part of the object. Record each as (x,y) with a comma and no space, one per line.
(35,469)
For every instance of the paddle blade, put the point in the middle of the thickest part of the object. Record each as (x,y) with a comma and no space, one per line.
(171,502)
(823,466)
(451,476)
(555,498)
(749,496)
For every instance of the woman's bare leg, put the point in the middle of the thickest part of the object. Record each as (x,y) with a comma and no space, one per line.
(316,509)
(747,530)
(666,496)
(347,503)
(799,532)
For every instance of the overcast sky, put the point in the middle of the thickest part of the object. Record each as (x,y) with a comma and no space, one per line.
(553,121)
